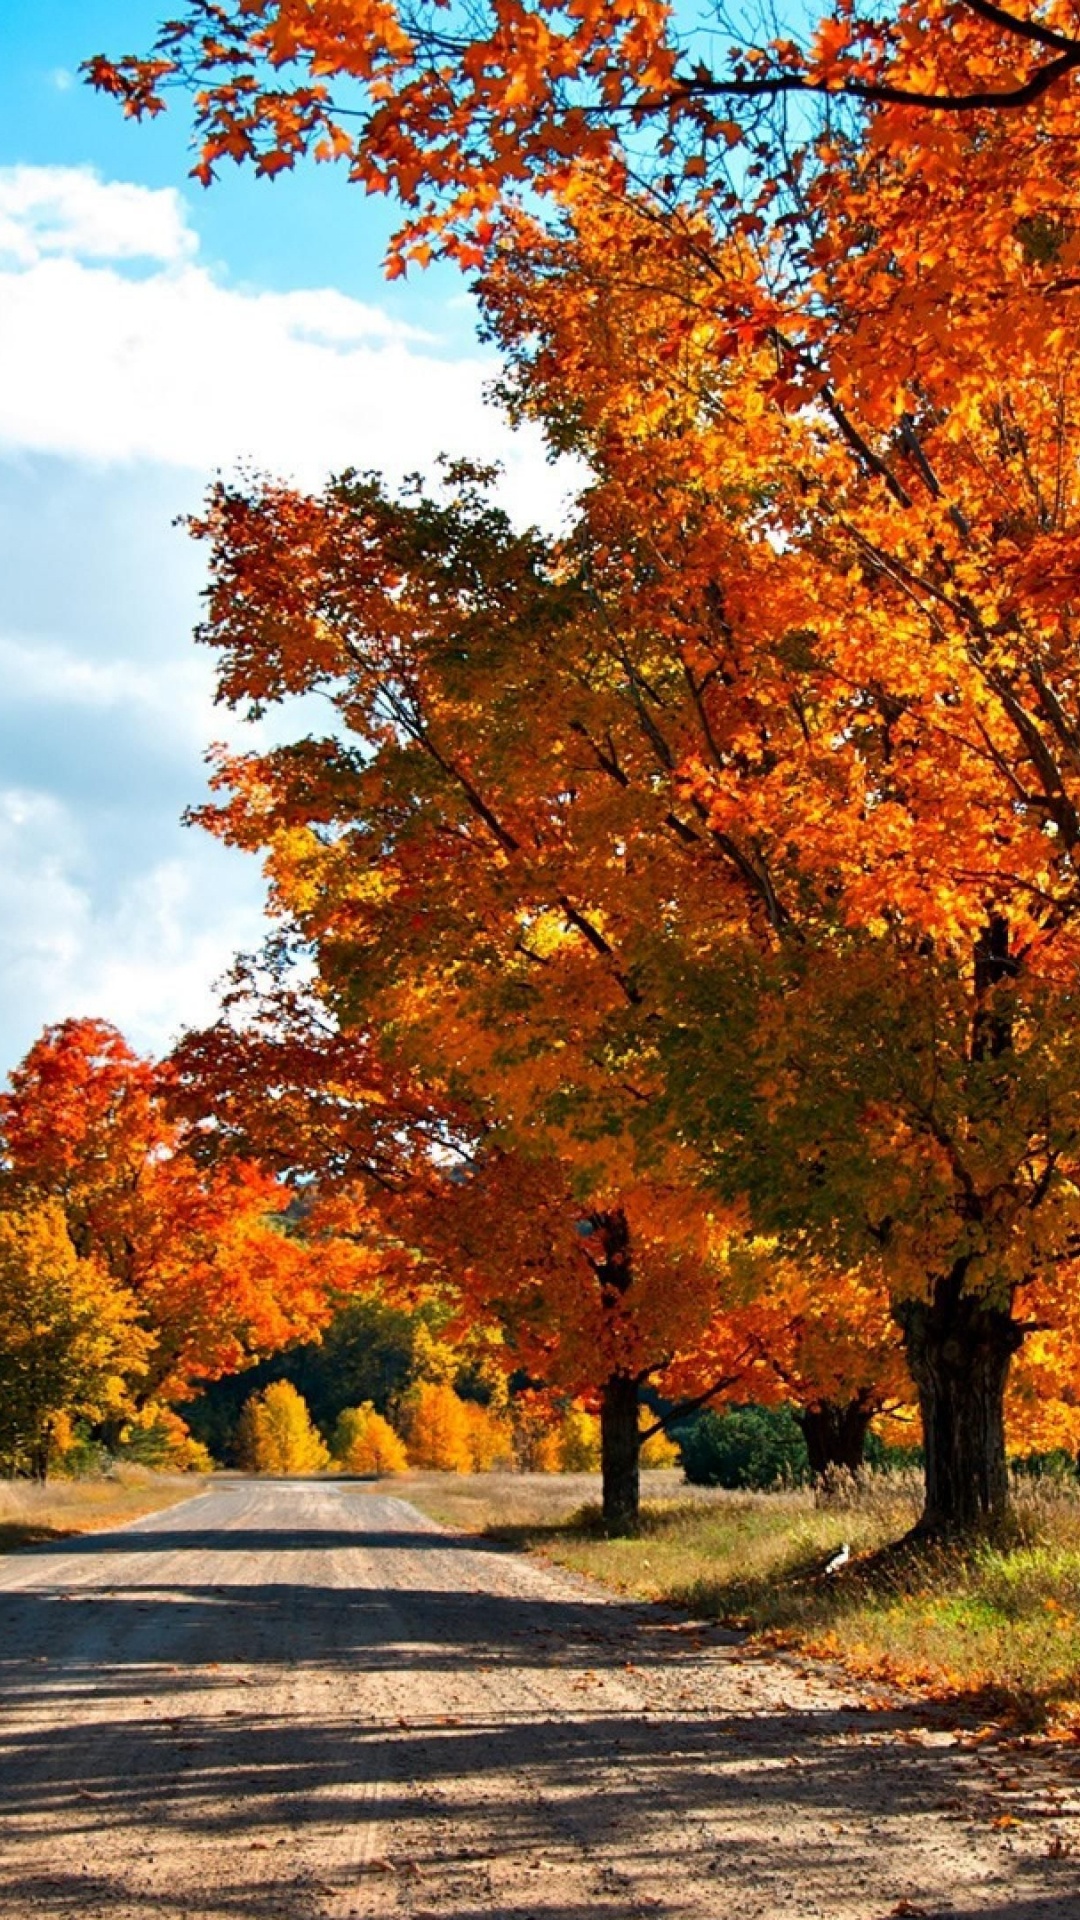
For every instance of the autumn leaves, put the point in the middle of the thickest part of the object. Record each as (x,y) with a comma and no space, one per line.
(708,873)
(130,1270)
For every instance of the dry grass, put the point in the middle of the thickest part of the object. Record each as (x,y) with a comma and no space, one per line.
(30,1514)
(995,1628)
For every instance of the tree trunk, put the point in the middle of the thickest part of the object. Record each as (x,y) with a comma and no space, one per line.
(620,1449)
(835,1435)
(620,1443)
(39,1456)
(959,1349)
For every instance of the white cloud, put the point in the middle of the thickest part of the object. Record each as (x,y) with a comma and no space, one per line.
(69,210)
(178,368)
(37,671)
(146,958)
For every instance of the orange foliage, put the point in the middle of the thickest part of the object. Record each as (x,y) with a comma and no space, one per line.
(733,840)
(204,1252)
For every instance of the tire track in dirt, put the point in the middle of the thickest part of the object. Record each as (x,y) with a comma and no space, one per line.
(305,1700)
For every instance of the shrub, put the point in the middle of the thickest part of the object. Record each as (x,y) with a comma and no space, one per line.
(756,1447)
(157,1437)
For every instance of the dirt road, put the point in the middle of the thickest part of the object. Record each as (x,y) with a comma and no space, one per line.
(307,1701)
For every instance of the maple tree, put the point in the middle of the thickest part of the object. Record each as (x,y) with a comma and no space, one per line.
(897,890)
(811,686)
(202,1252)
(438,876)
(922,819)
(449,108)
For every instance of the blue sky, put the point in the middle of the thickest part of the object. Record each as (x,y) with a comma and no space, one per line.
(152,334)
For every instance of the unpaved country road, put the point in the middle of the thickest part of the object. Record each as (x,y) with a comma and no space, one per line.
(307,1701)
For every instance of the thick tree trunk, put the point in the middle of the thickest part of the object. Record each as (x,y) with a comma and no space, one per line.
(959,1349)
(620,1449)
(835,1435)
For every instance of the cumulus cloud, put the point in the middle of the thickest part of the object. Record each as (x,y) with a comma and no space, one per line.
(177,367)
(70,210)
(145,955)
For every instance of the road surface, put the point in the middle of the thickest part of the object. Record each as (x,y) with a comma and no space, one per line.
(290,1701)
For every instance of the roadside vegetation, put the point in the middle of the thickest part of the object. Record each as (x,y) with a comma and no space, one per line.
(32,1513)
(992,1629)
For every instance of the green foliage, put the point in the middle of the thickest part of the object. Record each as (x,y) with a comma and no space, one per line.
(158,1438)
(749,1447)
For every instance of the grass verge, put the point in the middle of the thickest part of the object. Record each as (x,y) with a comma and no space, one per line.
(990,1629)
(31,1514)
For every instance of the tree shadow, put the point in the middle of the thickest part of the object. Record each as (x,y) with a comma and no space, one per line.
(166,1722)
(234,1780)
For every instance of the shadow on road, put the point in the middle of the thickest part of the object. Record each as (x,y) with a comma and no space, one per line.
(257,1540)
(167,1724)
(230,1781)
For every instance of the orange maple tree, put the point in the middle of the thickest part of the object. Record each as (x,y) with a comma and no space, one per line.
(203,1254)
(479,883)
(819,644)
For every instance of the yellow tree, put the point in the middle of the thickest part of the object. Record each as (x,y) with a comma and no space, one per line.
(363,1442)
(71,1346)
(276,1435)
(436,1428)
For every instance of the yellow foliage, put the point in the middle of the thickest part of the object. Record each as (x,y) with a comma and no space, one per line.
(364,1442)
(437,1428)
(659,1450)
(434,1359)
(579,1441)
(69,1340)
(490,1439)
(275,1434)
